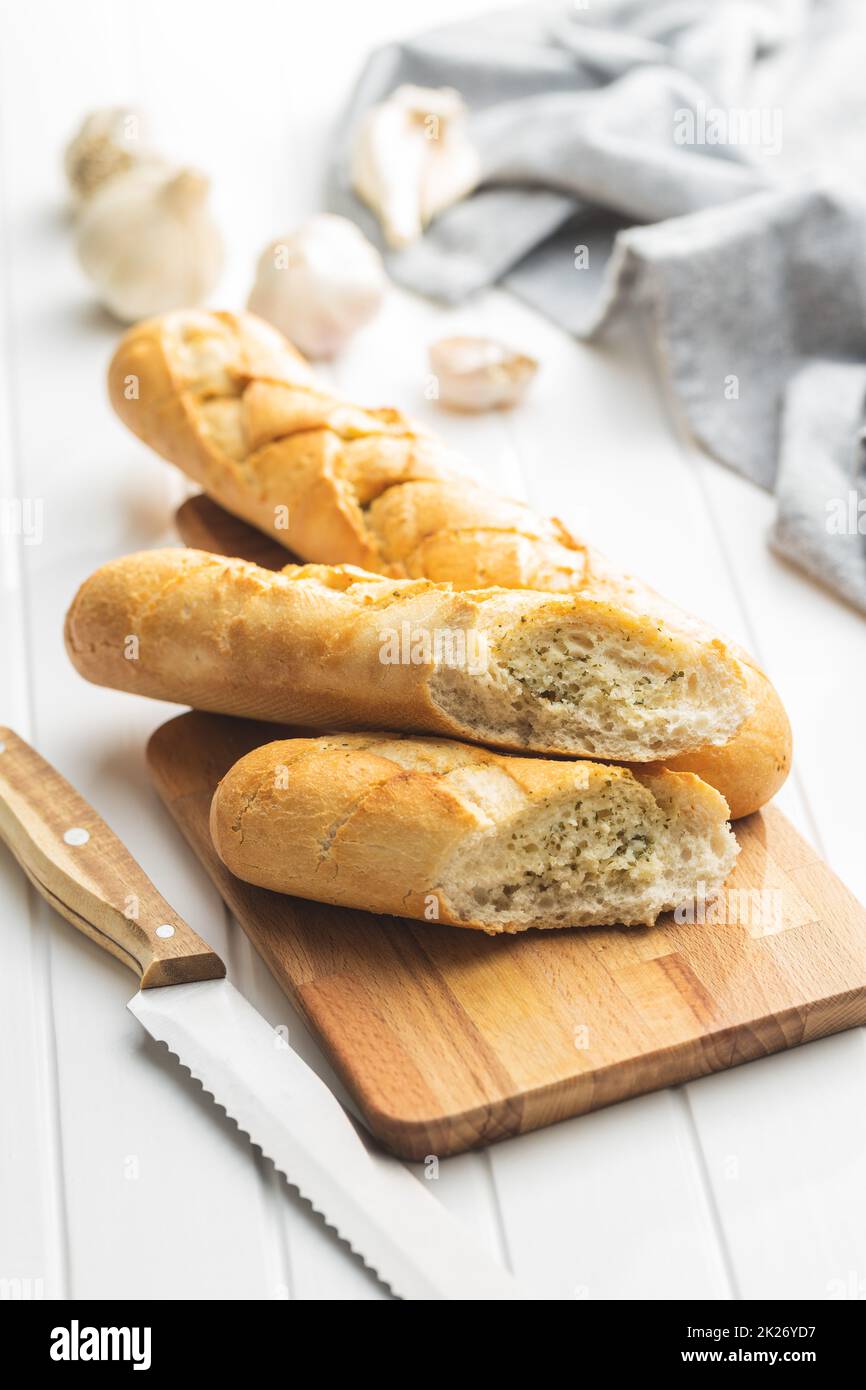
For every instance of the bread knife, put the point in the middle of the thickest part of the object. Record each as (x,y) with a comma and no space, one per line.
(371,1200)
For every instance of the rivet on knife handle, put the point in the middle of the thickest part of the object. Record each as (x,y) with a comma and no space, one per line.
(84,871)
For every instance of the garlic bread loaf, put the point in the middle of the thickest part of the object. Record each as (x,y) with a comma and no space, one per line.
(335,647)
(231,403)
(444,832)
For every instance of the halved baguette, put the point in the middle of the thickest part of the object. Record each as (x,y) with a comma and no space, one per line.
(230,402)
(335,647)
(445,832)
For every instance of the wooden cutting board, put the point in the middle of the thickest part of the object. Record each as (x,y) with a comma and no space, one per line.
(449,1038)
(204,525)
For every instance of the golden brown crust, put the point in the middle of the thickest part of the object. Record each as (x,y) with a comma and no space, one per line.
(315,646)
(753,765)
(372,821)
(227,400)
(331,481)
(226,636)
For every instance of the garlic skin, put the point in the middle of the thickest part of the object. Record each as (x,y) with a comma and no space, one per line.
(474,374)
(147,241)
(109,141)
(319,285)
(412,158)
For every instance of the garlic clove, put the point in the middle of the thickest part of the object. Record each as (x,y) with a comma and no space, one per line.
(389,172)
(147,241)
(412,158)
(474,374)
(452,169)
(319,284)
(185,192)
(109,141)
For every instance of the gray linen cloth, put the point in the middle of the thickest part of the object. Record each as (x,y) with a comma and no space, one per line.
(702,161)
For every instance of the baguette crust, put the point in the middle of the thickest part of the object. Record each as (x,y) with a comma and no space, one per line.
(226,636)
(230,402)
(335,647)
(374,821)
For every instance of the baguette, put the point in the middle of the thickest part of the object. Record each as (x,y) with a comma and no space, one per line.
(445,832)
(335,647)
(231,403)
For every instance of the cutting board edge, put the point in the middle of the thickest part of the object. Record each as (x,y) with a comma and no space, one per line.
(626,1078)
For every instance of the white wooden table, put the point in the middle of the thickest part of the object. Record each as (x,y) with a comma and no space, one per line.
(117,1178)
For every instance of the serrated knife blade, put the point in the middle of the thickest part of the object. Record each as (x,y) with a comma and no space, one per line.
(371,1200)
(374,1203)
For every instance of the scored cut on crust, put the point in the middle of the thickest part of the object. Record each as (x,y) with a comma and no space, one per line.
(446,832)
(335,647)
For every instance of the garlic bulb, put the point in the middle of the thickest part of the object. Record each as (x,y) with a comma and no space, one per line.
(319,284)
(147,241)
(413,158)
(108,142)
(479,374)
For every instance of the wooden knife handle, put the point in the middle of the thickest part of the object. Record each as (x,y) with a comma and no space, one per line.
(83,870)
